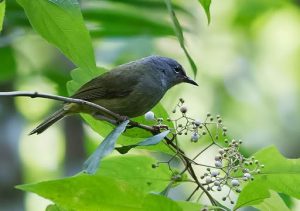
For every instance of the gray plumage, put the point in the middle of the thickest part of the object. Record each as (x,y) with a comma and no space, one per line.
(130,89)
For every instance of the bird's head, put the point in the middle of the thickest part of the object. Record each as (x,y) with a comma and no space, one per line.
(171,72)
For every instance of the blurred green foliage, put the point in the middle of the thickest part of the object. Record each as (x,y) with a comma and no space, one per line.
(248,60)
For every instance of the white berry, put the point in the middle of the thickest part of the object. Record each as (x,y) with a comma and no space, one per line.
(218,164)
(183,109)
(235,182)
(149,116)
(195,137)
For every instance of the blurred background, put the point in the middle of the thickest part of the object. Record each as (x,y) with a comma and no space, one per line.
(248,62)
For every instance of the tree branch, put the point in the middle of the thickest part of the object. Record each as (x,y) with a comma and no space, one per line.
(74,100)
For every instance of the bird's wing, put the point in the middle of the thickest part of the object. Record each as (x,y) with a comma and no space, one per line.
(117,83)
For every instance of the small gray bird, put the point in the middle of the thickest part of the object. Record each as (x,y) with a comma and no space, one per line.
(130,89)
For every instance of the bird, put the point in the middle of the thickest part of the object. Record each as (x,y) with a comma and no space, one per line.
(130,90)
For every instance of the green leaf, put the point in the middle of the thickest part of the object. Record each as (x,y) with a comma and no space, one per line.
(206,6)
(189,206)
(105,148)
(280,174)
(2,12)
(61,23)
(137,171)
(147,142)
(97,192)
(8,63)
(180,36)
(130,136)
(119,21)
(275,202)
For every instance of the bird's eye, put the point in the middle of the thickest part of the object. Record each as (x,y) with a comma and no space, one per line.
(177,69)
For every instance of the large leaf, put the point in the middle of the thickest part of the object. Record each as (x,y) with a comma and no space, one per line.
(280,174)
(137,171)
(206,5)
(104,149)
(275,202)
(125,186)
(130,136)
(61,23)
(147,142)
(2,11)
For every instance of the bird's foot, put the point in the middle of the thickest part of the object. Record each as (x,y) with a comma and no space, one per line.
(158,128)
(122,119)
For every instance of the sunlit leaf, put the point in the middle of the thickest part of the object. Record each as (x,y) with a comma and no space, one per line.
(137,171)
(280,174)
(61,23)
(147,142)
(2,12)
(104,149)
(275,202)
(117,190)
(206,5)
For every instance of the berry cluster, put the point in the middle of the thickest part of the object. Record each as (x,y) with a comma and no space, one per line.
(230,168)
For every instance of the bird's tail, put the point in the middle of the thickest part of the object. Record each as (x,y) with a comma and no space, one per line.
(49,121)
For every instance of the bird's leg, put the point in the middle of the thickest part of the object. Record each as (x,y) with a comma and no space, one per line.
(102,117)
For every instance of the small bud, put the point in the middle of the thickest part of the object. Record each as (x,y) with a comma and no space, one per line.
(231,202)
(224,199)
(179,125)
(235,182)
(262,166)
(211,119)
(149,116)
(224,129)
(154,165)
(238,190)
(218,157)
(219,188)
(245,178)
(183,109)
(218,164)
(160,119)
(195,137)
(216,183)
(197,122)
(219,120)
(218,116)
(208,114)
(221,151)
(203,133)
(174,111)
(181,100)
(247,175)
(208,180)
(215,173)
(258,171)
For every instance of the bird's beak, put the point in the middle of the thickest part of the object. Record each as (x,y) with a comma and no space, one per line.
(190,81)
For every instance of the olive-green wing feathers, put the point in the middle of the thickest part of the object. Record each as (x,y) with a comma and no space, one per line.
(117,83)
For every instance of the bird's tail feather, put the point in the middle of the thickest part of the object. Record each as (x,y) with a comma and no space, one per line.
(49,121)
